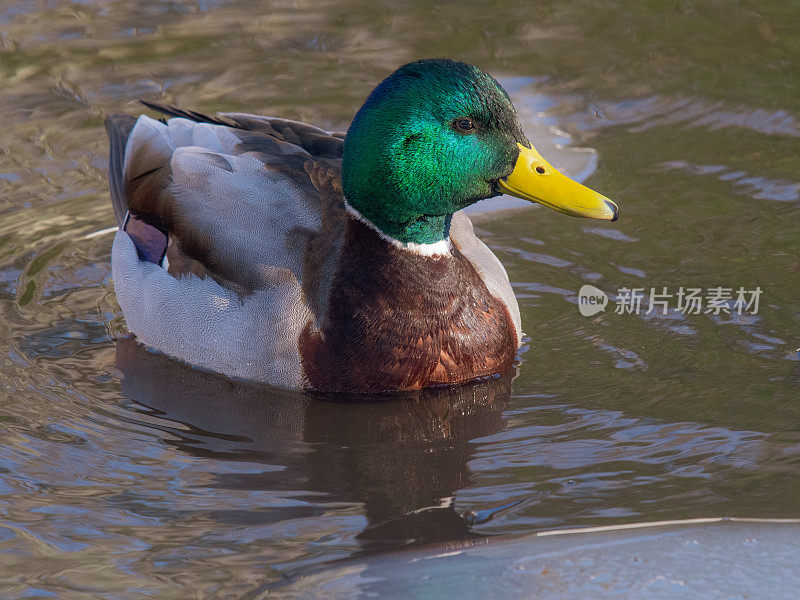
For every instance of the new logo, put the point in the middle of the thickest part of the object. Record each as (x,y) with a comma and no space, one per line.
(591,300)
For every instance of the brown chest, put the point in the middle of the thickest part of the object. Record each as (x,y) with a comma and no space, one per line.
(400,321)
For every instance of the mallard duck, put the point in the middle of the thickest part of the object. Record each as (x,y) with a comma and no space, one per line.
(273,251)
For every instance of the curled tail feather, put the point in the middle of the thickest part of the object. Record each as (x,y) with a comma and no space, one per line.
(119,127)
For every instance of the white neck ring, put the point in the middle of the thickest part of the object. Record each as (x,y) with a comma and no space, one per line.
(440,248)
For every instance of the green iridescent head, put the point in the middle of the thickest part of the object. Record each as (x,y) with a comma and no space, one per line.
(434,137)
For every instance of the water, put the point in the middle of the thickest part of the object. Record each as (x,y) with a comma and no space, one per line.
(123,475)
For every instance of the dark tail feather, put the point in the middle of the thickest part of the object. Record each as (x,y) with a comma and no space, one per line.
(174,111)
(119,127)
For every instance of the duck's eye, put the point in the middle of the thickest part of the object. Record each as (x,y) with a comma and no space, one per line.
(463,125)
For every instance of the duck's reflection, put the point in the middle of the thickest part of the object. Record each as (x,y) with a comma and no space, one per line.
(403,458)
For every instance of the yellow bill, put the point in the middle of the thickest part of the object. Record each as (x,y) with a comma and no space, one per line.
(536,180)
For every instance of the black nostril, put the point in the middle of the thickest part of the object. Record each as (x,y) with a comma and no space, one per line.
(540,170)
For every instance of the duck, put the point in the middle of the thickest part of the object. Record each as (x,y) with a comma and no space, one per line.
(272,251)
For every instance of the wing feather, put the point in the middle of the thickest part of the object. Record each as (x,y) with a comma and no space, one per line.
(237,199)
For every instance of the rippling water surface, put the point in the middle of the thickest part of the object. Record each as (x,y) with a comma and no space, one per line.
(124,475)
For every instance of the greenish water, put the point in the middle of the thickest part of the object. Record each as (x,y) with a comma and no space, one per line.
(123,475)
